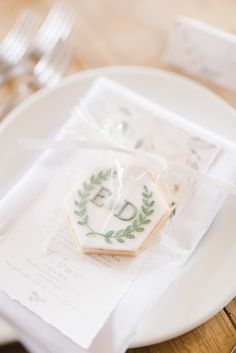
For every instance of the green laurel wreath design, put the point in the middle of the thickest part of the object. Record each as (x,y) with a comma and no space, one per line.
(138,224)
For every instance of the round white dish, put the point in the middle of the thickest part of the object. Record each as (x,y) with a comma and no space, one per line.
(206,283)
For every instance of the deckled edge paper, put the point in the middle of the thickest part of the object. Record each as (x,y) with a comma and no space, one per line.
(119,342)
(203,51)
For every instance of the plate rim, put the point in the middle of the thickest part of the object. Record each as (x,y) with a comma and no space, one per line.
(112,69)
(139,70)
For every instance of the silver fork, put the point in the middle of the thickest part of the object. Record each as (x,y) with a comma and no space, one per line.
(17,41)
(58,24)
(47,72)
(51,68)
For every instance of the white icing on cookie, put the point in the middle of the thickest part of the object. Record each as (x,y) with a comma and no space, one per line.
(115,212)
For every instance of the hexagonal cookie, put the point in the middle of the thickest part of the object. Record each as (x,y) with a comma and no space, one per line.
(116,212)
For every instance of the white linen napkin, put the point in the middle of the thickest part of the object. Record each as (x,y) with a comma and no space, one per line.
(119,329)
(190,225)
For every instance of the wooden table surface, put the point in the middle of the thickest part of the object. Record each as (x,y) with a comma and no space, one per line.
(133,32)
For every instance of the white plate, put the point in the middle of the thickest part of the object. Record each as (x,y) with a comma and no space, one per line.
(207,282)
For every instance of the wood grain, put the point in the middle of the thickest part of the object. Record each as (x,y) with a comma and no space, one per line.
(215,336)
(230,311)
(133,32)
(12,348)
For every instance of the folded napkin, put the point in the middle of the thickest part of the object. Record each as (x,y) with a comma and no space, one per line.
(163,265)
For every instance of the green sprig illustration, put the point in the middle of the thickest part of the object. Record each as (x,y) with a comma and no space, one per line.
(129,232)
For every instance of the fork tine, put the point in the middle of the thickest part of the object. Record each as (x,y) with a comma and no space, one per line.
(22,39)
(10,39)
(19,29)
(68,24)
(52,17)
(58,24)
(61,23)
(50,20)
(44,31)
(17,40)
(19,23)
